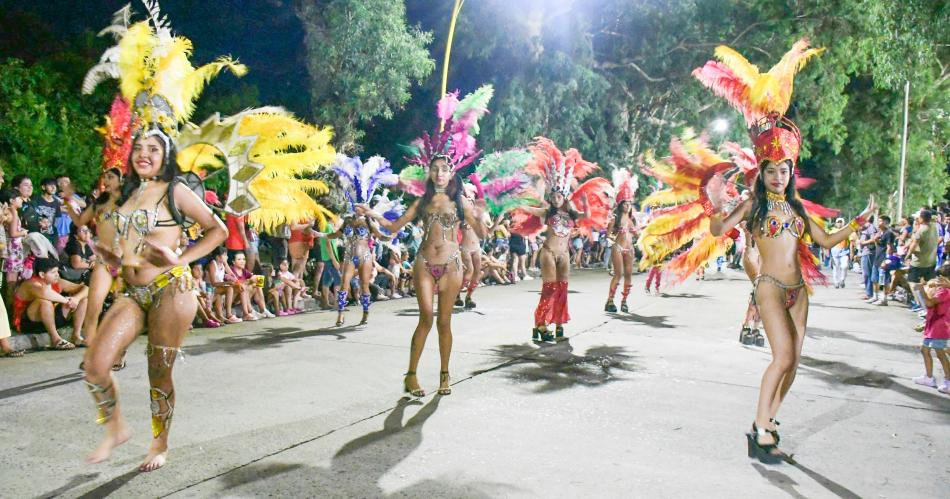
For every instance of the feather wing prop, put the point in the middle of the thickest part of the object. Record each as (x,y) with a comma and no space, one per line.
(689,168)
(704,250)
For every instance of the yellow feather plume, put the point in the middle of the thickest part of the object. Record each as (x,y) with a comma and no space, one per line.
(771,91)
(669,197)
(135,49)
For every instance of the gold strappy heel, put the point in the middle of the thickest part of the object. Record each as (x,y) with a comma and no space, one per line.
(418,392)
(444,378)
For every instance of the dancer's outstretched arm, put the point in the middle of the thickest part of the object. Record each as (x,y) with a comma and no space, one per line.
(827,241)
(719,226)
(393,226)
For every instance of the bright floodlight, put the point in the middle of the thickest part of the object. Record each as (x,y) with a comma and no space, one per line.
(720,125)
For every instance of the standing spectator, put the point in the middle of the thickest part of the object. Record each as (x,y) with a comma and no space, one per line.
(840,257)
(14,257)
(519,257)
(923,254)
(866,254)
(237,235)
(49,207)
(63,223)
(885,241)
(936,297)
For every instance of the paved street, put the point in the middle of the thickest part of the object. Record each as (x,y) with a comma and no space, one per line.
(648,404)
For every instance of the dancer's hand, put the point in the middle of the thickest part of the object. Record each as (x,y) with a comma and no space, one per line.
(162,256)
(363,210)
(107,255)
(871,208)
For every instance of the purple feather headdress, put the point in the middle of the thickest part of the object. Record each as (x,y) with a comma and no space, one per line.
(453,139)
(360,180)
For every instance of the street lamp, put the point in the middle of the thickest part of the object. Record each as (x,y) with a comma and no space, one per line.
(720,125)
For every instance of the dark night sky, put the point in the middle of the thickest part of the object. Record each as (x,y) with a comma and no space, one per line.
(263,34)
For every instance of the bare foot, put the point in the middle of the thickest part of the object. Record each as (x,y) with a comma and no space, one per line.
(114,438)
(157,453)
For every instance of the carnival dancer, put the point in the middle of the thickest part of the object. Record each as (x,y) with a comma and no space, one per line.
(117,146)
(434,175)
(566,206)
(744,159)
(623,230)
(778,222)
(498,181)
(471,257)
(359,182)
(156,208)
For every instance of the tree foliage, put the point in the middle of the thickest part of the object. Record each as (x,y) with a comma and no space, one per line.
(612,78)
(362,59)
(44,128)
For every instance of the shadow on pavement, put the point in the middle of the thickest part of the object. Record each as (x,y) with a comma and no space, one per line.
(847,374)
(832,486)
(656,321)
(269,338)
(780,480)
(73,482)
(40,385)
(112,485)
(357,468)
(555,367)
(833,333)
(683,295)
(824,305)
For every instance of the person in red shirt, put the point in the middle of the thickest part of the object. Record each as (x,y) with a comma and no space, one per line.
(45,302)
(237,235)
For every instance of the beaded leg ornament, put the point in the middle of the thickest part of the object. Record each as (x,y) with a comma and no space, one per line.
(162,409)
(341,300)
(365,301)
(104,396)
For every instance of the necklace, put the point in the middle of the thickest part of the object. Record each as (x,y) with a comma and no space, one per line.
(778,202)
(440,190)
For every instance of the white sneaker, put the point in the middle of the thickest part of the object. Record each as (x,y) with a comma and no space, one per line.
(528,278)
(268,314)
(945,388)
(396,296)
(924,380)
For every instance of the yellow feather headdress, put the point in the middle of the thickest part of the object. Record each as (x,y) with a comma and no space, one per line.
(265,151)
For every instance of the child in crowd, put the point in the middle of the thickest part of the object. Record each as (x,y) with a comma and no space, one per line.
(205,293)
(292,288)
(936,294)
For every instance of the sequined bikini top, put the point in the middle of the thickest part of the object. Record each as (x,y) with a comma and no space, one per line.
(445,220)
(560,224)
(141,220)
(360,233)
(773,226)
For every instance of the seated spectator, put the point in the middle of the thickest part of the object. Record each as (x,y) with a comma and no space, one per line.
(205,294)
(291,288)
(385,280)
(224,285)
(45,303)
(79,255)
(253,288)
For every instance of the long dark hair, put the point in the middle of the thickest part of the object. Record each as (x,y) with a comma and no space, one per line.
(619,210)
(169,167)
(103,196)
(760,202)
(453,191)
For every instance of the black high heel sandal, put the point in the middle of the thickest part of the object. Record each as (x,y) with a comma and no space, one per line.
(559,332)
(775,431)
(536,334)
(444,378)
(339,321)
(610,307)
(762,452)
(365,319)
(623,307)
(418,392)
